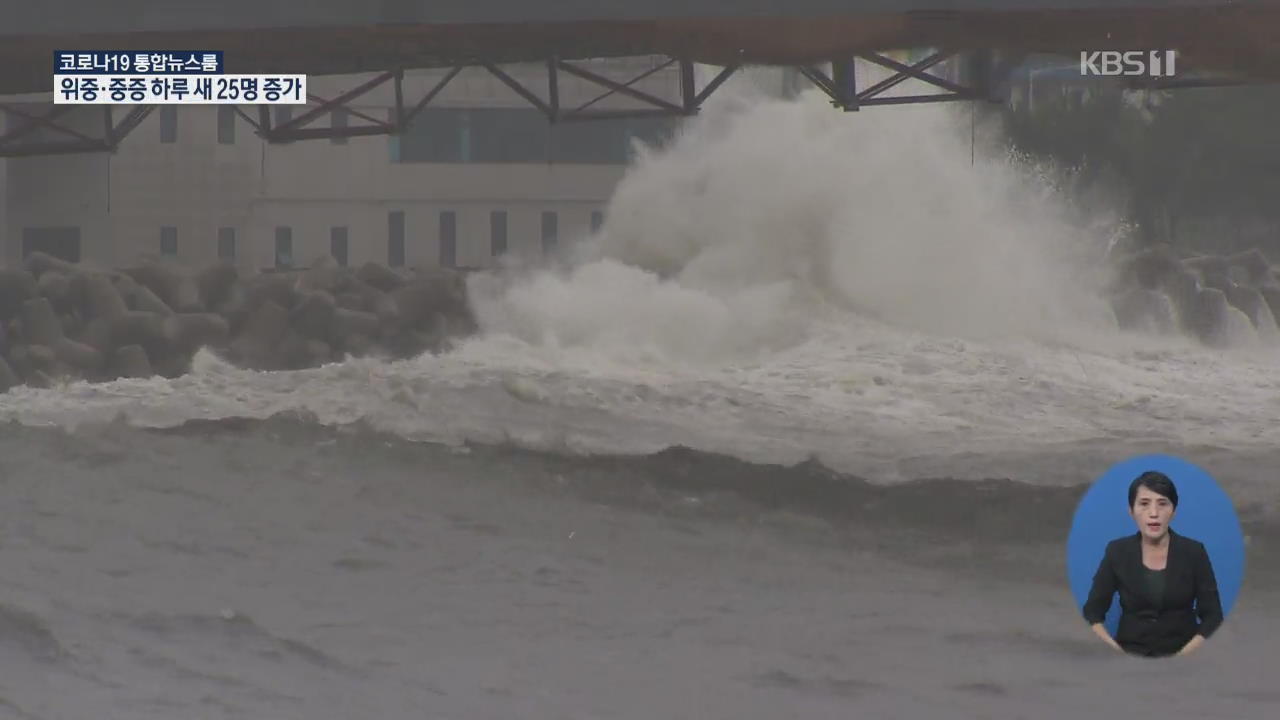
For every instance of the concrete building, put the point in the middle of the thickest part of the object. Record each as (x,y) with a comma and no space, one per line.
(479,174)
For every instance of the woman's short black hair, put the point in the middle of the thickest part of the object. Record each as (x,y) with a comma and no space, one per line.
(1156,482)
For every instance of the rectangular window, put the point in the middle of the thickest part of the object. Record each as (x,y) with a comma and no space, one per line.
(550,232)
(597,221)
(395,238)
(436,135)
(606,141)
(169,241)
(498,233)
(227,244)
(448,239)
(168,124)
(339,117)
(522,135)
(338,244)
(284,247)
(431,137)
(226,125)
(502,135)
(60,242)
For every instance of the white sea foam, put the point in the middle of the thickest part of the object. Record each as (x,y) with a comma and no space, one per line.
(784,280)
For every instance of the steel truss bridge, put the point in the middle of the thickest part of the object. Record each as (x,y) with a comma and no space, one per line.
(1234,41)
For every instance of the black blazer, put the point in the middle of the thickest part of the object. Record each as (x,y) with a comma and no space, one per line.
(1156,626)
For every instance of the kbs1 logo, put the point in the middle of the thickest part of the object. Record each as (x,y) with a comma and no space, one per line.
(1154,63)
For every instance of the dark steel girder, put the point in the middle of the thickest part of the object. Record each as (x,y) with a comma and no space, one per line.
(982,69)
(76,141)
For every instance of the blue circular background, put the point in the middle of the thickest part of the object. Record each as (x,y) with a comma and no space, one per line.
(1204,513)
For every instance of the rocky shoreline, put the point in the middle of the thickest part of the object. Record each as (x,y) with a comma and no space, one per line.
(61,321)
(1158,291)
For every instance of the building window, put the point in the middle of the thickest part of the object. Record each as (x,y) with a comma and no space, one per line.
(168,124)
(60,242)
(432,137)
(502,135)
(169,241)
(395,238)
(597,221)
(523,135)
(550,232)
(338,244)
(339,121)
(448,239)
(226,125)
(227,243)
(284,247)
(606,141)
(498,233)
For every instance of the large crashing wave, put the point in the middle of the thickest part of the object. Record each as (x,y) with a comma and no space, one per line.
(763,215)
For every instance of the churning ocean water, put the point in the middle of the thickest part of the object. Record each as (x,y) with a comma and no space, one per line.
(798,434)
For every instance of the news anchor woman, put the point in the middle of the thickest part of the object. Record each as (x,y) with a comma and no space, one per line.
(1168,593)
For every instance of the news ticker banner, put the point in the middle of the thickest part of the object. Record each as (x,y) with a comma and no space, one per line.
(188,77)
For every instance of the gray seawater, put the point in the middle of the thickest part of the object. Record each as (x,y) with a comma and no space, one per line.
(278,568)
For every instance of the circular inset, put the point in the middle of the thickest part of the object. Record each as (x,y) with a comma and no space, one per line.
(1176,505)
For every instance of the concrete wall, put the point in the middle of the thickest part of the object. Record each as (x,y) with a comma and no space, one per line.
(60,191)
(194,184)
(198,185)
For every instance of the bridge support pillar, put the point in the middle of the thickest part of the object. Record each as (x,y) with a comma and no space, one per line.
(844,81)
